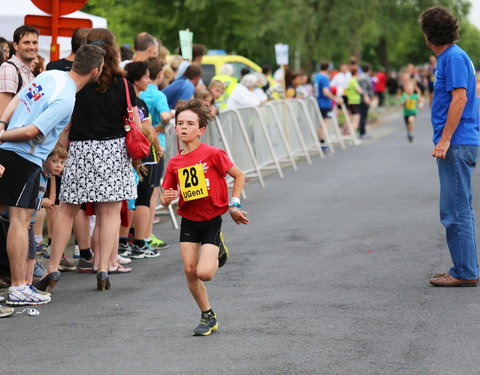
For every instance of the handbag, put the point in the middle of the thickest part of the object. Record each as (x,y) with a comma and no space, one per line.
(137,144)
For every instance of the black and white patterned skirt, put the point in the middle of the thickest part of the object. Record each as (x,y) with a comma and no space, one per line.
(98,171)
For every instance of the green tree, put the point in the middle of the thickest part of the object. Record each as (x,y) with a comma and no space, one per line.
(383,32)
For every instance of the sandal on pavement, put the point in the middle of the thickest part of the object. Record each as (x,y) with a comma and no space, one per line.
(119,269)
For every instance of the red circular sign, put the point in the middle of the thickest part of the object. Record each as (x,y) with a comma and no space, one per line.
(65,6)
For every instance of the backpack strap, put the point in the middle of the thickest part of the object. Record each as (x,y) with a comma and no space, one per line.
(20,79)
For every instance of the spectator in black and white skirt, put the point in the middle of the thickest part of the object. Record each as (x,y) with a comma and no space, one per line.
(98,168)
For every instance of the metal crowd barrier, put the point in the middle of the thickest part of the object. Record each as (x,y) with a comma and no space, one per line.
(268,138)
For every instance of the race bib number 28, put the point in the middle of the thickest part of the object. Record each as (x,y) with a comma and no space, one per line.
(192,182)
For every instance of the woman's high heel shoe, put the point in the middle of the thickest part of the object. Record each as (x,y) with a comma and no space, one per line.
(103,281)
(48,282)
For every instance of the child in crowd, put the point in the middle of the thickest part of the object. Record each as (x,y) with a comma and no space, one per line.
(138,74)
(216,88)
(409,101)
(207,98)
(53,192)
(199,171)
(161,115)
(53,165)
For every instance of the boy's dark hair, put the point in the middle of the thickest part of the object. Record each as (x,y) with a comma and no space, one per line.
(23,30)
(136,70)
(193,71)
(366,67)
(296,75)
(266,69)
(196,106)
(439,26)
(78,38)
(125,53)
(88,57)
(244,71)
(198,50)
(324,65)
(60,151)
(143,41)
(155,66)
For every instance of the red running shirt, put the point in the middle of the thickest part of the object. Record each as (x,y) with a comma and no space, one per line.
(215,166)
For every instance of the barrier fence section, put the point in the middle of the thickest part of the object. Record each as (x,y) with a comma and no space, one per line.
(325,126)
(275,129)
(291,129)
(267,138)
(306,126)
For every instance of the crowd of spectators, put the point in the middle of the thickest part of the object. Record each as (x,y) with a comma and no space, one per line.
(86,198)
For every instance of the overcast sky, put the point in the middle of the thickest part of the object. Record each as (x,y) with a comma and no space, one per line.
(474,16)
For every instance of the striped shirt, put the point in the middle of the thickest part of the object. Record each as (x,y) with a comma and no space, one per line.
(9,75)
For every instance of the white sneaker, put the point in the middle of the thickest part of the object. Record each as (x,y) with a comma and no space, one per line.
(123,260)
(28,296)
(6,311)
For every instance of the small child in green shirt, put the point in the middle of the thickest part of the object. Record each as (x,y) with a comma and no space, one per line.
(409,101)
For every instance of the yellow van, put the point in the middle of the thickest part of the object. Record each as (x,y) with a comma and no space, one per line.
(211,65)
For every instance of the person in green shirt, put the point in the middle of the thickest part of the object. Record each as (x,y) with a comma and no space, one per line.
(354,94)
(409,101)
(229,82)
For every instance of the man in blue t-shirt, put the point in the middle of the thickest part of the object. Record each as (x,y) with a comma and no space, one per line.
(325,97)
(456,139)
(183,88)
(34,119)
(321,83)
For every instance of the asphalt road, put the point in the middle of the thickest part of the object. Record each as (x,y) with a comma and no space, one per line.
(330,277)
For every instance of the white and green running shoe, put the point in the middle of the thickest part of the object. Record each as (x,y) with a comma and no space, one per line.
(156,243)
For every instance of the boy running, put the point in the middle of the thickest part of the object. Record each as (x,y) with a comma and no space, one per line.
(409,102)
(199,172)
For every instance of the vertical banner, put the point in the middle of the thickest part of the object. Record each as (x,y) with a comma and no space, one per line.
(281,54)
(186,38)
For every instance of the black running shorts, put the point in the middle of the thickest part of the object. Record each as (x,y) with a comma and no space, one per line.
(201,232)
(145,188)
(157,173)
(406,118)
(20,183)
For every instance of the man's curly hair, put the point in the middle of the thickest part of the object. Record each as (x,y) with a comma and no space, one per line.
(439,26)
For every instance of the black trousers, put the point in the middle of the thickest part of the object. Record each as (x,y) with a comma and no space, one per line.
(4,263)
(362,126)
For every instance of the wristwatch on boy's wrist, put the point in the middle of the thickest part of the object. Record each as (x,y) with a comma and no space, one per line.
(234,202)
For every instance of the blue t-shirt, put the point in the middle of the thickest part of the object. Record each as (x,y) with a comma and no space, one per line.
(156,102)
(319,82)
(180,89)
(455,70)
(47,103)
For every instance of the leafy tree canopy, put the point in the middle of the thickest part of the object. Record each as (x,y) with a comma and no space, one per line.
(382,32)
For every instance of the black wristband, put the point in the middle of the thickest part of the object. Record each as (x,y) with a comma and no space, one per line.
(3,122)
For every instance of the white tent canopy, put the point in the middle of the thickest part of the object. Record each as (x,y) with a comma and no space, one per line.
(12,15)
